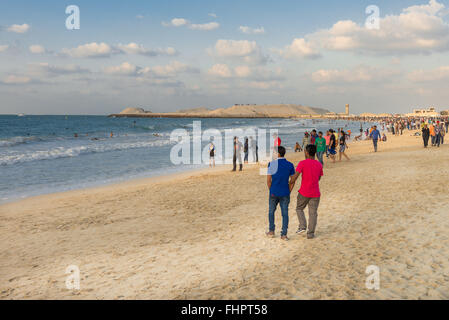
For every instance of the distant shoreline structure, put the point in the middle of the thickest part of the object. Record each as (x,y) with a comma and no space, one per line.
(248,111)
(270,111)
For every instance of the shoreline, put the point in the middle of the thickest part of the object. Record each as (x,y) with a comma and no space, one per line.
(201,235)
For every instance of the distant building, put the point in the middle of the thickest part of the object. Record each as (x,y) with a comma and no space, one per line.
(347,109)
(430,112)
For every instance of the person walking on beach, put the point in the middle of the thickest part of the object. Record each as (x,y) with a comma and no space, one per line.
(327,137)
(237,156)
(332,145)
(211,154)
(343,146)
(320,143)
(432,134)
(313,136)
(309,192)
(246,150)
(425,135)
(305,141)
(375,136)
(253,146)
(280,174)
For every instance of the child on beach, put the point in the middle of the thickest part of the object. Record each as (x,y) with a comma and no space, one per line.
(280,173)
(309,193)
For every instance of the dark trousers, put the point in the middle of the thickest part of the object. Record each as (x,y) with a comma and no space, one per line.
(425,140)
(375,144)
(273,203)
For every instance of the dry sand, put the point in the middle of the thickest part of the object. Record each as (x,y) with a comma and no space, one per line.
(201,235)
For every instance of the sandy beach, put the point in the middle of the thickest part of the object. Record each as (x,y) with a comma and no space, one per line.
(201,235)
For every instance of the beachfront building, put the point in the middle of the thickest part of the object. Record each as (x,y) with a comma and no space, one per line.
(430,112)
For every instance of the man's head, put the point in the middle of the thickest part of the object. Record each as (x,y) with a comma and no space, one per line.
(281,151)
(375,127)
(311,151)
(275,135)
(314,132)
(320,134)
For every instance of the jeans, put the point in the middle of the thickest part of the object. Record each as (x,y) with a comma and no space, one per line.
(273,203)
(375,145)
(320,157)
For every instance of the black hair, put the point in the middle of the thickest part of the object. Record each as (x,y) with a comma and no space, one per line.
(320,132)
(281,150)
(311,150)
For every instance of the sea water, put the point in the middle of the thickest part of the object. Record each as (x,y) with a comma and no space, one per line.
(46,154)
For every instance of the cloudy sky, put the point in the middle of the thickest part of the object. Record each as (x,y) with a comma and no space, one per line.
(175,54)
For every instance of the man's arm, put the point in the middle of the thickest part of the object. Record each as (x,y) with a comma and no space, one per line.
(269,182)
(293,179)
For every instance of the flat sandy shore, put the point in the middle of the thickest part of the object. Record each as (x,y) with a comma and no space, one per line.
(201,235)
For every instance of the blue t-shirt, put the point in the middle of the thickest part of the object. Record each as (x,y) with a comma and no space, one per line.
(375,134)
(280,171)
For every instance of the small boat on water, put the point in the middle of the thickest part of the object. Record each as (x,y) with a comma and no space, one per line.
(21,115)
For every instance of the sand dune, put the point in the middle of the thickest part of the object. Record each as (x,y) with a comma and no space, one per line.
(236,111)
(201,235)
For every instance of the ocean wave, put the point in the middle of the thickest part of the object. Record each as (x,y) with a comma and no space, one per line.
(14,141)
(68,152)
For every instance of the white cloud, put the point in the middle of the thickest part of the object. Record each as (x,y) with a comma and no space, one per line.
(125,68)
(300,49)
(205,27)
(248,30)
(172,69)
(139,16)
(220,70)
(243,50)
(37,49)
(4,47)
(104,50)
(435,75)
(134,48)
(242,71)
(181,22)
(46,69)
(358,74)
(91,50)
(19,28)
(213,15)
(416,30)
(13,79)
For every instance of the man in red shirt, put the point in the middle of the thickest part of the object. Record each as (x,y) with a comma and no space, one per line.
(309,193)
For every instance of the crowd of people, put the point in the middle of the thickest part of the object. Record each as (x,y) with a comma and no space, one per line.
(282,175)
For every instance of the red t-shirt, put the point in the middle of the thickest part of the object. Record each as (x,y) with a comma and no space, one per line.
(311,171)
(277,142)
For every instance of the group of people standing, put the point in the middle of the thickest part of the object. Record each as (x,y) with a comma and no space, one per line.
(239,148)
(330,144)
(435,132)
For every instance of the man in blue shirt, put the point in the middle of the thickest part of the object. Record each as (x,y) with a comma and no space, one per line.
(375,135)
(278,181)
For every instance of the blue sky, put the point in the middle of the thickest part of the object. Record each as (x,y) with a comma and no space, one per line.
(133,54)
